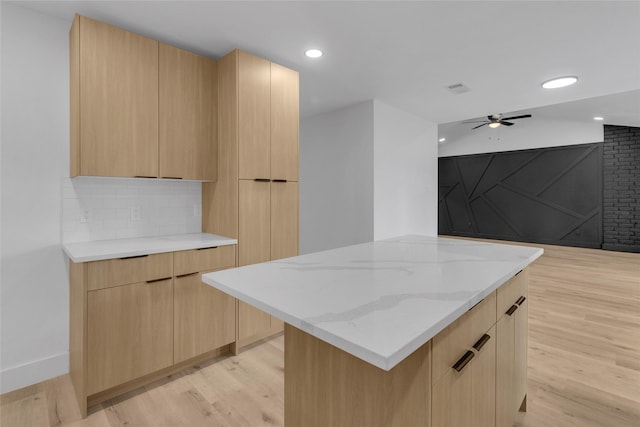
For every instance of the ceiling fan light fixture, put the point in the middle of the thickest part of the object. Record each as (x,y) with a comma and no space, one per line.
(494,125)
(559,82)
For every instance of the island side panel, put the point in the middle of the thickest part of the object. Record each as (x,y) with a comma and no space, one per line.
(325,386)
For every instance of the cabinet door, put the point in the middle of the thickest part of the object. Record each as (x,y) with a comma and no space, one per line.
(467,398)
(506,405)
(188,115)
(254,212)
(284,219)
(521,342)
(254,246)
(204,318)
(284,123)
(511,374)
(129,332)
(254,104)
(118,102)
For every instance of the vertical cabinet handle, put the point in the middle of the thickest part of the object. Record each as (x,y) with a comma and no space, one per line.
(512,309)
(481,342)
(521,300)
(462,362)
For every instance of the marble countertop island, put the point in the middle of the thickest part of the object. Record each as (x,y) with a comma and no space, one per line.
(379,301)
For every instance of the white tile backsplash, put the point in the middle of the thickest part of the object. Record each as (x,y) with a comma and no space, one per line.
(166,207)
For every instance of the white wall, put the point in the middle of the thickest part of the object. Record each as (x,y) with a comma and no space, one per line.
(35,152)
(405,174)
(367,172)
(40,205)
(525,134)
(336,178)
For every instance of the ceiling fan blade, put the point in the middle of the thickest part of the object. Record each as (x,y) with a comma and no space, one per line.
(502,122)
(526,116)
(479,126)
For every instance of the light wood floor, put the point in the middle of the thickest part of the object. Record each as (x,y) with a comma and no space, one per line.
(584,363)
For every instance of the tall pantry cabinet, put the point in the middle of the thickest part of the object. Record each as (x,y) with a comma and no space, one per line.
(255,198)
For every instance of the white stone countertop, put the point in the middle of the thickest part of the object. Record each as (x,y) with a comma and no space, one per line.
(379,301)
(119,248)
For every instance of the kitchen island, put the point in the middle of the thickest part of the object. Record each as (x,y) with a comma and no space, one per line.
(385,333)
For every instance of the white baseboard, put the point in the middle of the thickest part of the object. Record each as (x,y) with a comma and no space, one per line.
(34,372)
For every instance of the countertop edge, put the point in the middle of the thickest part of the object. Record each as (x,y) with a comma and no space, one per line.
(148,246)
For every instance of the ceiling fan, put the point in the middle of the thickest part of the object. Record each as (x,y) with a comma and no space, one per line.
(495,120)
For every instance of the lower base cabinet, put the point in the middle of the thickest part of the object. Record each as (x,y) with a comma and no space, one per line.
(125,332)
(203,318)
(511,375)
(479,379)
(129,333)
(466,398)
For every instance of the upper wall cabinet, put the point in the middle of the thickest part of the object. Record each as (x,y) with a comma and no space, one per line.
(268,112)
(187,111)
(114,101)
(284,123)
(139,108)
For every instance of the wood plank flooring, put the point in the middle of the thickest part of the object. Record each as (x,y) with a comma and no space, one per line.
(584,363)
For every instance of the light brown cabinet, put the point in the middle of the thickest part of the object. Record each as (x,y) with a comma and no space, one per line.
(466,397)
(255,198)
(114,101)
(187,115)
(136,319)
(480,378)
(464,368)
(139,108)
(129,332)
(512,332)
(204,318)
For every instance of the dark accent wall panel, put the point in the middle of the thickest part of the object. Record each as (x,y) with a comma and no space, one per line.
(546,195)
(621,223)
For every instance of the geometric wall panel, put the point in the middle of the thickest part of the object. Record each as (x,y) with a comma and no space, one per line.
(546,195)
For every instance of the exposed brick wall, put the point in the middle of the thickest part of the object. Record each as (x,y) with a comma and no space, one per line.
(621,222)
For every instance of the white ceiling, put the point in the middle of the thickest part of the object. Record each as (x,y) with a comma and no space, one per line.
(406,53)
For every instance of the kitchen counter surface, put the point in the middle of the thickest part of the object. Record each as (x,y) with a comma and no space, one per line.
(379,301)
(119,248)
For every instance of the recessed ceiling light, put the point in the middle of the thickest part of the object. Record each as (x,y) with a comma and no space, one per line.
(559,82)
(313,53)
(442,139)
(494,125)
(598,118)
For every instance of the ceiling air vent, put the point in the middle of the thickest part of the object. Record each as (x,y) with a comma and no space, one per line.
(458,88)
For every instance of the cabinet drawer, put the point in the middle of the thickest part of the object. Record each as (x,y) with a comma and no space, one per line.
(509,293)
(123,271)
(456,339)
(198,260)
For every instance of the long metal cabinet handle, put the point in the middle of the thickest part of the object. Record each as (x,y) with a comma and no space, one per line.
(262,180)
(521,300)
(462,362)
(135,256)
(158,280)
(481,342)
(278,180)
(186,274)
(512,309)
